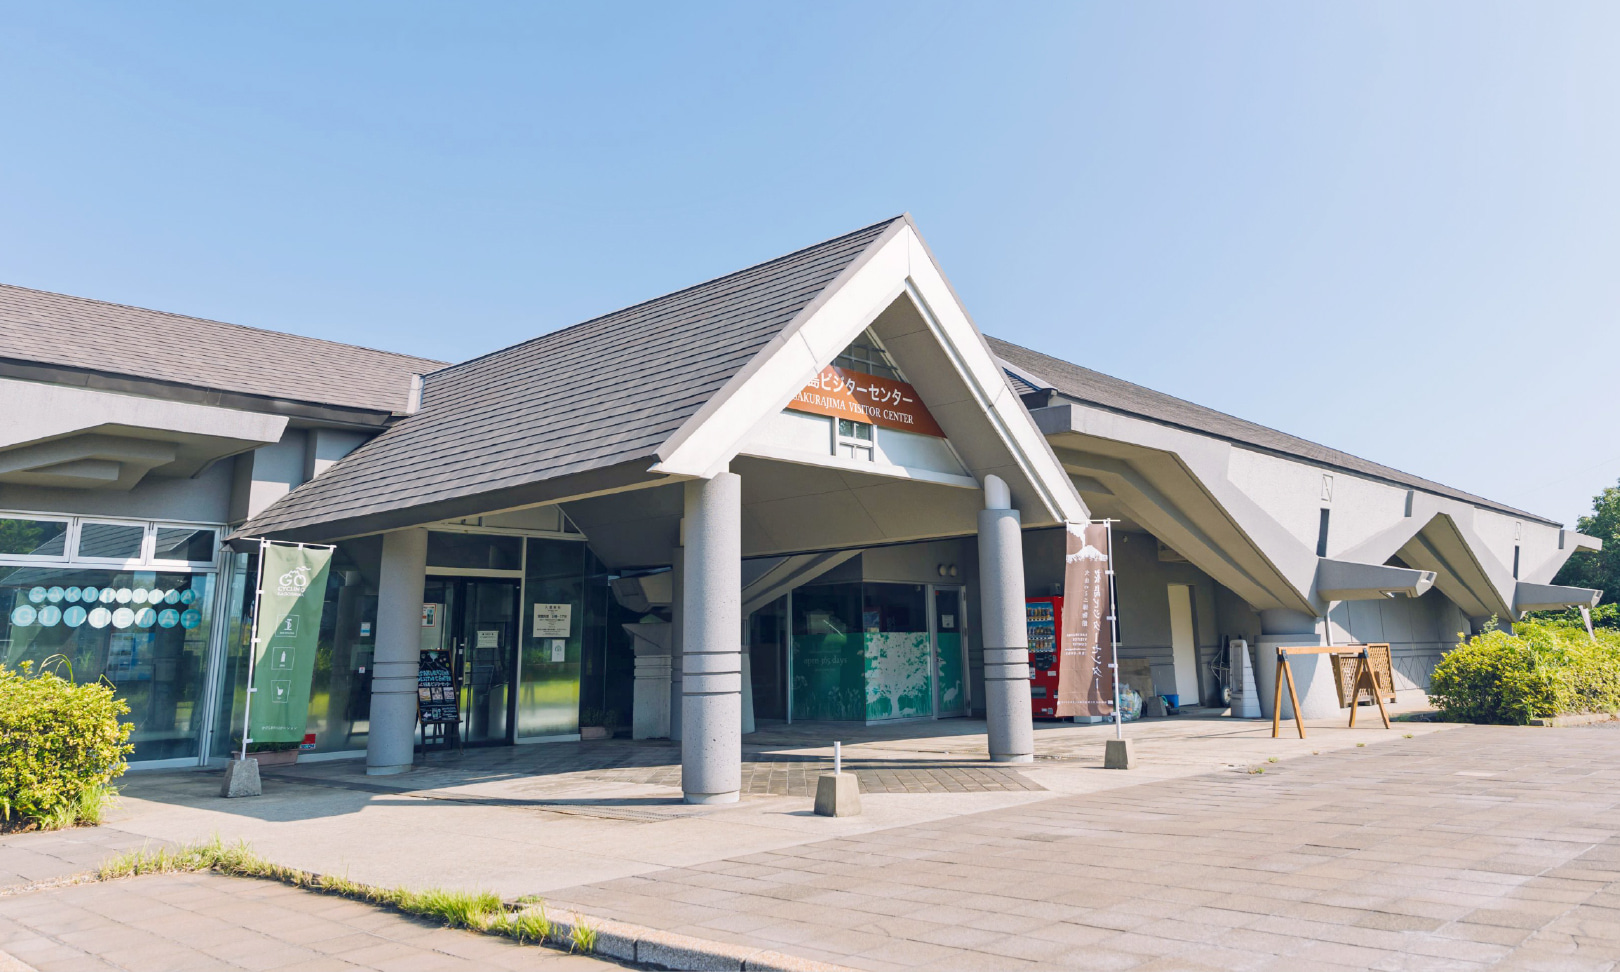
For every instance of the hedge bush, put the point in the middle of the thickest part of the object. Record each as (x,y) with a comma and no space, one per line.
(61,746)
(1539,670)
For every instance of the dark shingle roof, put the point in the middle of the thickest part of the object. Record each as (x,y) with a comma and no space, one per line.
(1114,394)
(607,391)
(56,330)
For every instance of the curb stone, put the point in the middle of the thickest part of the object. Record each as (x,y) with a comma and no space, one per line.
(681,953)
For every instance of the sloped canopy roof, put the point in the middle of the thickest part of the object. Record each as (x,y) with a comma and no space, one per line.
(598,398)
(38,328)
(1033,371)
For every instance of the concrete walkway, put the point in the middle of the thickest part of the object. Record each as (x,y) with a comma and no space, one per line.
(173,922)
(532,819)
(1424,845)
(1482,847)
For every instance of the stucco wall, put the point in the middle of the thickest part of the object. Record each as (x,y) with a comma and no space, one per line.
(1418,630)
(202,499)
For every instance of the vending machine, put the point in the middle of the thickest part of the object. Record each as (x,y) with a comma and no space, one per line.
(1044,616)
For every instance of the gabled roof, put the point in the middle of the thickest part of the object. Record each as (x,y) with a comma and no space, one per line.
(598,395)
(1032,371)
(38,328)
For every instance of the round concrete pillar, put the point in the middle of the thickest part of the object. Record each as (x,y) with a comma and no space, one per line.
(1008,717)
(391,743)
(711,646)
(677,615)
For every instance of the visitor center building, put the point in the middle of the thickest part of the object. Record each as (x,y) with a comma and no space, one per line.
(810,490)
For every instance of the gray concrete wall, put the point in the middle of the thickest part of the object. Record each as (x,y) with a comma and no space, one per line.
(1418,630)
(1143,582)
(203,499)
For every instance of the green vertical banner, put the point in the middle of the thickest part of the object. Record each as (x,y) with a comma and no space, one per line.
(291,595)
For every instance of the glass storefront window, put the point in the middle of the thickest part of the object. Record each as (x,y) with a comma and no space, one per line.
(184,543)
(553,628)
(28,537)
(145,631)
(828,678)
(898,649)
(475,551)
(111,541)
(340,687)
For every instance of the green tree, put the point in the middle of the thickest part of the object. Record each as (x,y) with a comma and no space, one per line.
(1601,568)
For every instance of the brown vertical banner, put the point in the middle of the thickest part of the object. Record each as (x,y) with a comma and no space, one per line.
(1086,644)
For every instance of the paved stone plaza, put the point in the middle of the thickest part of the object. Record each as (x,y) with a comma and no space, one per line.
(1475,848)
(1421,846)
(173,922)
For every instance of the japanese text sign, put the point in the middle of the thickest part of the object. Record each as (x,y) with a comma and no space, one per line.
(860,397)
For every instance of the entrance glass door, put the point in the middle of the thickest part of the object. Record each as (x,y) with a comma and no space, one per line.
(488,629)
(477,622)
(950,651)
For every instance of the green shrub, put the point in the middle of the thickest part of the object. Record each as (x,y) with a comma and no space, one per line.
(61,746)
(1539,670)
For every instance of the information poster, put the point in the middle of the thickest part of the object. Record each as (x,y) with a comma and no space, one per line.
(289,625)
(435,688)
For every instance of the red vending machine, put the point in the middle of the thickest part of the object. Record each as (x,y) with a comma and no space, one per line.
(1044,616)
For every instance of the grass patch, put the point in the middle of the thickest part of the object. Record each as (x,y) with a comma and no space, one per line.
(480,911)
(582,938)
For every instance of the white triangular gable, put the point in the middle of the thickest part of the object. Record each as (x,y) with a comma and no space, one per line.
(963,387)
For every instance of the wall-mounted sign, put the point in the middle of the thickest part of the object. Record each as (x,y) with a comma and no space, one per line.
(490,638)
(860,397)
(430,615)
(553,620)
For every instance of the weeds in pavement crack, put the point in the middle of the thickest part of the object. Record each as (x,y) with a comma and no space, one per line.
(481,911)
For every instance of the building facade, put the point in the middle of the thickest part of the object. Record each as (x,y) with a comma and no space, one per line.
(810,490)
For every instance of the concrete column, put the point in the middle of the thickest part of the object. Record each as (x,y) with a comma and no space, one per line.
(391,744)
(677,615)
(1313,674)
(711,646)
(1008,717)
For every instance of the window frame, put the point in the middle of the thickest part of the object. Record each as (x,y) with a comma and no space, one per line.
(151,544)
(147,560)
(69,538)
(143,557)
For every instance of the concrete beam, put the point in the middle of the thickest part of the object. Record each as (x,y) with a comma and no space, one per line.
(1552,597)
(1339,580)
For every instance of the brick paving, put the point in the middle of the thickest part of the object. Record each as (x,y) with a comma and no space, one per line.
(554,775)
(1480,847)
(177,922)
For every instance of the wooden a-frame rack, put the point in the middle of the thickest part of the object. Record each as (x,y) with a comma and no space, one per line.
(1364,678)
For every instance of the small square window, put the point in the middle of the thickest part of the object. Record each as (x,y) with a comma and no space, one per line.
(855,430)
(111,541)
(33,538)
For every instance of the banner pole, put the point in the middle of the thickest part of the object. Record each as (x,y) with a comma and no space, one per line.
(253,651)
(1113,628)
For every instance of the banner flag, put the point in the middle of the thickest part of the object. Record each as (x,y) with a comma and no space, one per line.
(292,593)
(1085,680)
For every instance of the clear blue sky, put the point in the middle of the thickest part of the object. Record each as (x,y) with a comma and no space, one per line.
(1391,228)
